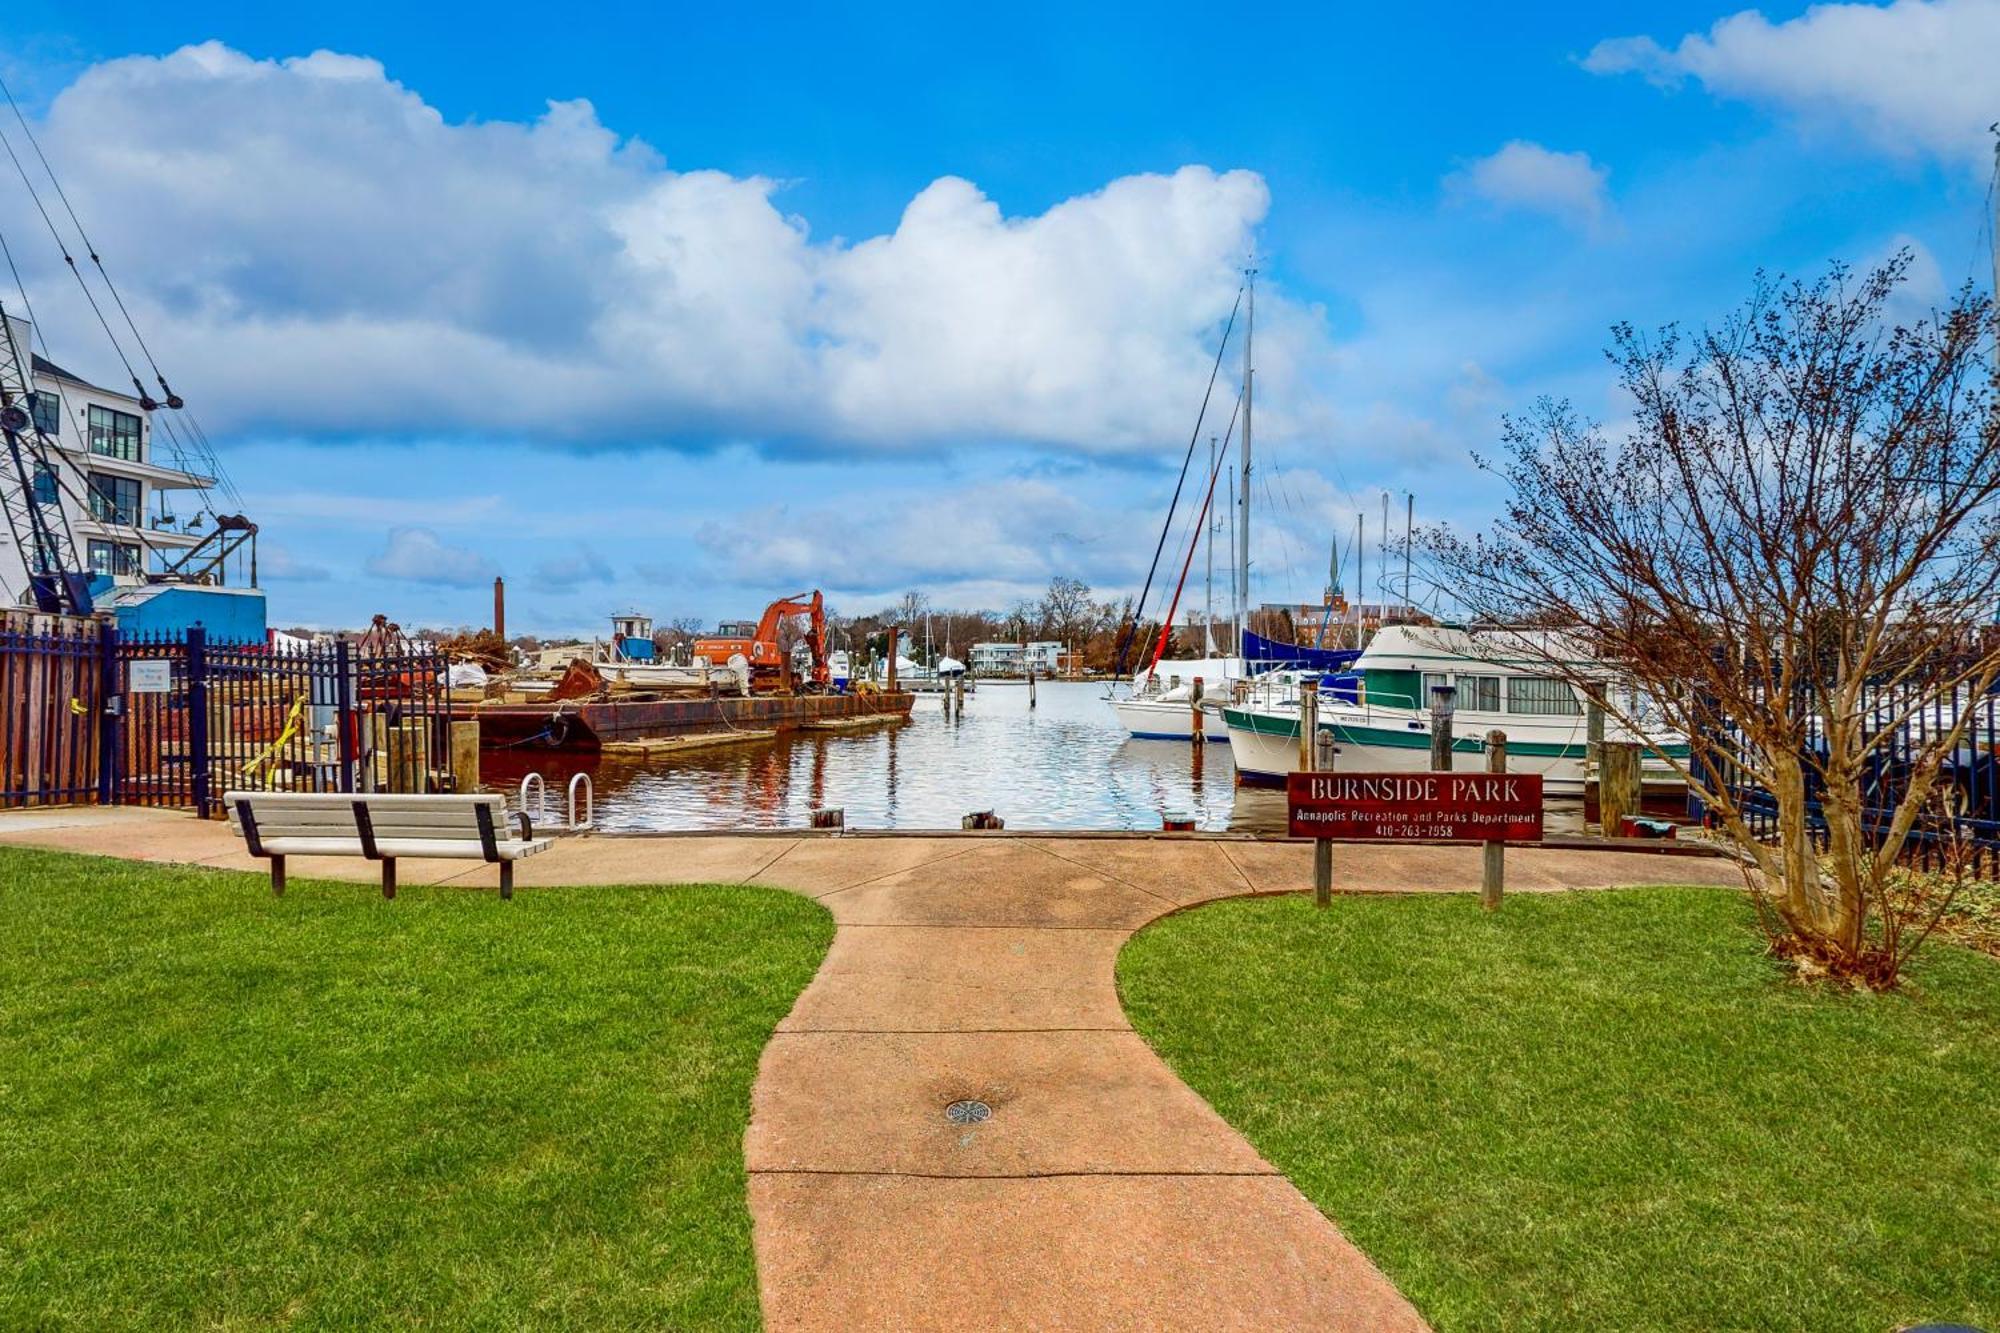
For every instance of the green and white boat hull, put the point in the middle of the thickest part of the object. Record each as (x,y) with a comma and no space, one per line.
(1265,745)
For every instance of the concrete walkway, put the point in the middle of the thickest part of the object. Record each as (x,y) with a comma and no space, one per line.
(1101,1192)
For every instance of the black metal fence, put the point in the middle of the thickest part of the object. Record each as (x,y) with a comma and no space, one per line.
(177,721)
(1961,819)
(51,699)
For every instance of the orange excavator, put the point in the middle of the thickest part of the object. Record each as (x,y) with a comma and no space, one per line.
(770,664)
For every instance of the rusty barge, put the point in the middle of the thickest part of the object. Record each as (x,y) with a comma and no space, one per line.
(591,724)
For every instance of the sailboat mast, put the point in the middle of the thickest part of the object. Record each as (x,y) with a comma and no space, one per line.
(1360,575)
(1235,600)
(1995,194)
(1386,579)
(1249,373)
(1208,584)
(1409,530)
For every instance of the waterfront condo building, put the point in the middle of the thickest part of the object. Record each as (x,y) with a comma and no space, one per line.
(119,498)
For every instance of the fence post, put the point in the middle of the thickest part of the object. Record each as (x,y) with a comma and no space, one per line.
(111,703)
(197,702)
(343,714)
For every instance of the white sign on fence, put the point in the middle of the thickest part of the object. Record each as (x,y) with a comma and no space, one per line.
(149,677)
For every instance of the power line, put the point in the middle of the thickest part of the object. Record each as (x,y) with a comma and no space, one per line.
(204,451)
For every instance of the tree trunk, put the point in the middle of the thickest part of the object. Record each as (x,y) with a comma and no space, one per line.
(1805,907)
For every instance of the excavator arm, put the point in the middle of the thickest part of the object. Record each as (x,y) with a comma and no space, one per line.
(813,606)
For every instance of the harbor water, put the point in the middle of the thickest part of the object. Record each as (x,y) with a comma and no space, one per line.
(1063,764)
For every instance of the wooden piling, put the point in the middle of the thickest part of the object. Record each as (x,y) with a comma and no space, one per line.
(1308,723)
(1197,722)
(1493,867)
(465,755)
(1617,785)
(1441,711)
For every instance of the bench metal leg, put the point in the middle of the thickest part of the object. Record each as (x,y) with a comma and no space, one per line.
(277,876)
(506,879)
(389,877)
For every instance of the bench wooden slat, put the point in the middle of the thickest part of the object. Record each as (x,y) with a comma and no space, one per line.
(451,849)
(397,825)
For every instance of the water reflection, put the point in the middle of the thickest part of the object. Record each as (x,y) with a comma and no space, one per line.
(1065,764)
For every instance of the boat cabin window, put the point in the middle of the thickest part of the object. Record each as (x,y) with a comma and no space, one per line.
(1541,695)
(1479,694)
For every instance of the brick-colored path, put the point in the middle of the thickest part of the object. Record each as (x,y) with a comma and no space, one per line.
(1102,1192)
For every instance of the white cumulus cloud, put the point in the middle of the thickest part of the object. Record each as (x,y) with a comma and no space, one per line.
(315,248)
(418,555)
(1907,76)
(1528,177)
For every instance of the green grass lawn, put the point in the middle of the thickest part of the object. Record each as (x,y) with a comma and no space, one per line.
(1599,1111)
(221,1108)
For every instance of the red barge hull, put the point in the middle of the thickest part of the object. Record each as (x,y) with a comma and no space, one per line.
(584,724)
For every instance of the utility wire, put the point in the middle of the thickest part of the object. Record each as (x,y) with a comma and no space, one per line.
(203,451)
(173,399)
(68,258)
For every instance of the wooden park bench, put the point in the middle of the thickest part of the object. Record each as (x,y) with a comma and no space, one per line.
(382,828)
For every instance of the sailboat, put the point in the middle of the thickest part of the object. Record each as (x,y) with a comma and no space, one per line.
(1161,703)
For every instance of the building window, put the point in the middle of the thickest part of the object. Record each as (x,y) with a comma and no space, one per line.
(47,407)
(1541,695)
(114,499)
(113,558)
(47,491)
(114,434)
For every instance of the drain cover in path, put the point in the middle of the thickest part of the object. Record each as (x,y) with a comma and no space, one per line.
(967,1112)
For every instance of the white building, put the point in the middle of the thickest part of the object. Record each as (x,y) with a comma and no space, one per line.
(118,498)
(1007,659)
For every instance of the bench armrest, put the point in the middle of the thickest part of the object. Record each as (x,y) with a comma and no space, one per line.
(527,826)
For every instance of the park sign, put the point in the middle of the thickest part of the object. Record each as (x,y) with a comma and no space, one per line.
(1416,807)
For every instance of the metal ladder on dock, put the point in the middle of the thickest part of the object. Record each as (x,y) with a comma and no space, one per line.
(534,802)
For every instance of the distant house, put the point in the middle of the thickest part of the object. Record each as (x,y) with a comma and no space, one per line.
(1013,659)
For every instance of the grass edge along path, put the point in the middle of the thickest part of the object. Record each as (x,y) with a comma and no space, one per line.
(223,1108)
(1599,1110)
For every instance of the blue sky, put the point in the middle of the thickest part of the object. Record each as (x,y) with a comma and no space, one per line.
(684,309)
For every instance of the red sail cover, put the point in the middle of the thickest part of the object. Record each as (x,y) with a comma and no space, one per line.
(1416,807)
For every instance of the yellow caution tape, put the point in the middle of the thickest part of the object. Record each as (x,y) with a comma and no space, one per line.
(292,721)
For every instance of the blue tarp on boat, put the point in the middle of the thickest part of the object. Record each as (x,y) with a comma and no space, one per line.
(1262,654)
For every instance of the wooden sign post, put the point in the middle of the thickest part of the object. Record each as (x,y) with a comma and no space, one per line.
(1493,863)
(1492,808)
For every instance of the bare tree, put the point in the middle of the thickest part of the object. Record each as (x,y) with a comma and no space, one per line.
(1066,611)
(910,609)
(1791,553)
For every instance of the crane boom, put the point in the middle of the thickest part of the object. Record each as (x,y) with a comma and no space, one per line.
(40,530)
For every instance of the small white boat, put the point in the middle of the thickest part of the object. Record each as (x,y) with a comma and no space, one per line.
(1161,705)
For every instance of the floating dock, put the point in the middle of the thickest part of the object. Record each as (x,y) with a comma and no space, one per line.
(591,724)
